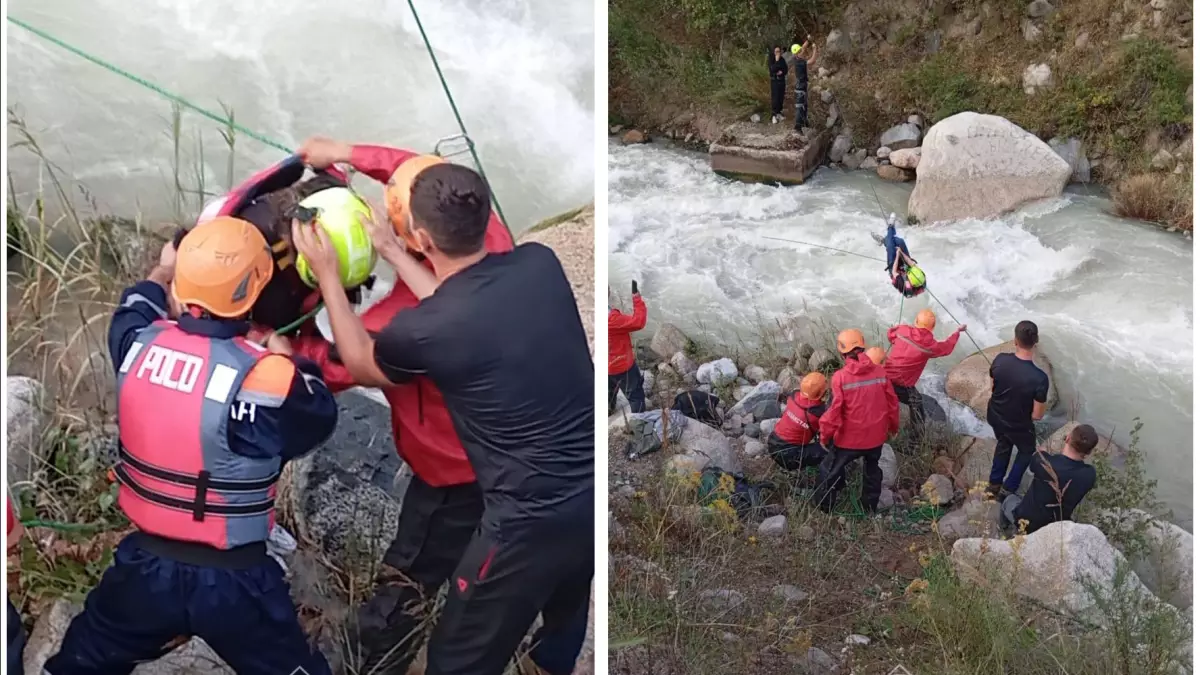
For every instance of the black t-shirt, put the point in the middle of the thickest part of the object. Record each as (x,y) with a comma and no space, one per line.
(503,342)
(1053,474)
(1016,384)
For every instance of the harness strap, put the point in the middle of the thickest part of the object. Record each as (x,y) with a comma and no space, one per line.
(189,506)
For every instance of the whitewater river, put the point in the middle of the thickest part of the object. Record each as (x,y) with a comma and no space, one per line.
(1112,298)
(521,72)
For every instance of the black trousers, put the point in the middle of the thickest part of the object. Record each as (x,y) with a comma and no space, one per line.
(16,642)
(436,525)
(778,87)
(501,585)
(792,457)
(801,104)
(629,382)
(833,478)
(912,398)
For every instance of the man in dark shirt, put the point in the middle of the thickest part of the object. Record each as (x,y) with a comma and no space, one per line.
(1019,392)
(500,337)
(1059,484)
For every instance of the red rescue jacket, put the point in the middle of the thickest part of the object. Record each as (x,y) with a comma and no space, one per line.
(801,421)
(912,348)
(424,433)
(865,409)
(179,479)
(620,342)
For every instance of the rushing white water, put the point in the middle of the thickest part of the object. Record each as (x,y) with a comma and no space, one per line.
(1112,298)
(521,72)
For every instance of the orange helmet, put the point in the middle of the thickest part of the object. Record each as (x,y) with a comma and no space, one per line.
(926,319)
(813,386)
(877,355)
(222,266)
(399,192)
(849,340)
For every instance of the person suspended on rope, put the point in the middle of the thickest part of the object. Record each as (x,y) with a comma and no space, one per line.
(269,200)
(912,348)
(16,630)
(803,57)
(777,68)
(444,502)
(499,335)
(905,276)
(623,372)
(206,420)
(795,442)
(863,413)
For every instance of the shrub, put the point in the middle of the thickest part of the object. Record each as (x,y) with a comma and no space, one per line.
(1158,198)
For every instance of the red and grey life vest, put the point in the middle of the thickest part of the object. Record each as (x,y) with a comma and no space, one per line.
(179,479)
(800,423)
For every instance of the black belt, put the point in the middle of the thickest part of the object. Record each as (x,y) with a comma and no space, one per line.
(191,480)
(202,555)
(198,507)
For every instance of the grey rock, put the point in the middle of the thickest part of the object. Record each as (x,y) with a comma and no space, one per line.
(26,420)
(1159,5)
(823,72)
(702,446)
(826,96)
(805,533)
(787,379)
(916,120)
(841,145)
(775,526)
(751,430)
(817,662)
(753,400)
(1030,31)
(668,340)
(755,374)
(822,357)
(626,491)
(855,159)
(883,152)
(938,489)
(1082,40)
(684,365)
(717,373)
(804,351)
(1039,9)
(753,448)
(977,518)
(725,599)
(344,496)
(887,499)
(858,640)
(933,42)
(869,164)
(901,136)
(838,42)
(1163,160)
(768,427)
(755,118)
(648,381)
(1037,76)
(1073,153)
(834,112)
(790,594)
(889,465)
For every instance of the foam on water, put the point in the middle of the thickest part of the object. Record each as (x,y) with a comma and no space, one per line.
(521,72)
(1112,298)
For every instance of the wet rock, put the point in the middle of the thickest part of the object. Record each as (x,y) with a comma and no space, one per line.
(901,136)
(841,145)
(982,166)
(717,373)
(345,496)
(906,159)
(668,340)
(775,526)
(790,594)
(633,136)
(1074,153)
(895,173)
(938,489)
(25,420)
(869,164)
(969,382)
(855,159)
(1037,76)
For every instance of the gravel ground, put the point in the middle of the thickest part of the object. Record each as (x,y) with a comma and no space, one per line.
(574,242)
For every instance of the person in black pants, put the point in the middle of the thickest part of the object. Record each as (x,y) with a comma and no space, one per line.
(16,631)
(1019,392)
(778,68)
(1060,482)
(499,335)
(803,60)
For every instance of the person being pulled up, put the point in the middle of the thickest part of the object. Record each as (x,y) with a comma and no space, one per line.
(906,277)
(1060,482)
(864,412)
(623,372)
(912,348)
(499,335)
(778,68)
(206,420)
(795,442)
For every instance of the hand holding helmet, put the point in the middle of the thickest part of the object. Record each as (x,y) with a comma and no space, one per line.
(315,247)
(321,153)
(344,218)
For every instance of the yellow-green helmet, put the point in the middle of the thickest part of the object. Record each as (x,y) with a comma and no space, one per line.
(915,276)
(795,49)
(344,216)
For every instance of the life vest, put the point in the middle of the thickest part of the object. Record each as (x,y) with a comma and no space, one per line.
(800,424)
(179,479)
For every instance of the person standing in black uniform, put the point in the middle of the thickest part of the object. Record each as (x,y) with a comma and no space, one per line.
(778,68)
(1019,392)
(500,337)
(805,56)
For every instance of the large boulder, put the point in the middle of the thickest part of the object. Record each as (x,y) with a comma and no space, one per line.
(908,158)
(1062,566)
(901,137)
(194,657)
(702,446)
(345,497)
(1163,557)
(717,373)
(970,383)
(668,340)
(894,173)
(758,399)
(1074,153)
(25,419)
(982,166)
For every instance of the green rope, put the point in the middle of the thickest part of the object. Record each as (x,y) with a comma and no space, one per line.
(454,107)
(229,123)
(62,527)
(300,322)
(226,121)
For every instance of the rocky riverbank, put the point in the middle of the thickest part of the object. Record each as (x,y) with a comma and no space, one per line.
(1105,85)
(338,506)
(782,586)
